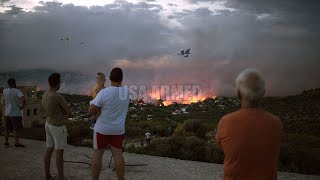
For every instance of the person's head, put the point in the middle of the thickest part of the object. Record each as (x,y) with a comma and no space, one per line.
(116,75)
(100,78)
(55,81)
(12,83)
(250,86)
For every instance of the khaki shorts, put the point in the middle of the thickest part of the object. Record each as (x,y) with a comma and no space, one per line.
(56,136)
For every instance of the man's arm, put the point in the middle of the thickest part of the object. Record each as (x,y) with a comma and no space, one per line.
(218,135)
(23,101)
(64,105)
(3,101)
(93,109)
(95,105)
(43,112)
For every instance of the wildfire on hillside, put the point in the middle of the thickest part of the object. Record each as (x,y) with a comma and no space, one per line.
(167,94)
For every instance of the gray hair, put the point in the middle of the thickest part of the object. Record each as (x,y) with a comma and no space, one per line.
(250,84)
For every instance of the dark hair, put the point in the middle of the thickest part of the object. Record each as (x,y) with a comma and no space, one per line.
(12,82)
(116,75)
(54,79)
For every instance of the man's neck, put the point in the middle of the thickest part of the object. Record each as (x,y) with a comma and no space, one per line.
(53,89)
(116,84)
(247,104)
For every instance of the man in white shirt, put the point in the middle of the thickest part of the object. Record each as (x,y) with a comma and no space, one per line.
(148,137)
(14,102)
(113,102)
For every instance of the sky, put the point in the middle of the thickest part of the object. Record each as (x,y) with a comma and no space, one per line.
(279,38)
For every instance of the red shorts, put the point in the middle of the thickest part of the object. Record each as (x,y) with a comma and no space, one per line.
(101,141)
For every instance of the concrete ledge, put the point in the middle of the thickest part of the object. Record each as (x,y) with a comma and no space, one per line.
(27,164)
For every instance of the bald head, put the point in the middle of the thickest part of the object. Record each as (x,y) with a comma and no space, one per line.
(250,85)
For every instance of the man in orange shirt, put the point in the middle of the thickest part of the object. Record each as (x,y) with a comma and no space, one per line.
(250,137)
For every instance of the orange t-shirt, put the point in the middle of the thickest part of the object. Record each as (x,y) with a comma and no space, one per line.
(250,139)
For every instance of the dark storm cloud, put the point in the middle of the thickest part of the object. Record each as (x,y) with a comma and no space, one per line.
(280,38)
(14,10)
(117,31)
(3,1)
(283,44)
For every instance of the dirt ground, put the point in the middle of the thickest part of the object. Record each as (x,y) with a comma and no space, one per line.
(27,164)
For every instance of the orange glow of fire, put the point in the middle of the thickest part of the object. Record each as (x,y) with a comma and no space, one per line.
(194,99)
(87,93)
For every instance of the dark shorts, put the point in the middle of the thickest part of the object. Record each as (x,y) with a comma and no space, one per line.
(13,123)
(101,141)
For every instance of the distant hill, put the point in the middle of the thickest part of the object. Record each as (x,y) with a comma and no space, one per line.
(72,82)
(300,113)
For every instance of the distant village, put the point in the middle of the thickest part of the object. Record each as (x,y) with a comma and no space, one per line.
(138,109)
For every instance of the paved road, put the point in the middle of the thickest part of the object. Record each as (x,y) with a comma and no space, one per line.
(27,164)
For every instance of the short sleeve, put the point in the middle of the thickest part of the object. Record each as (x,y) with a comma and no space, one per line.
(19,93)
(98,100)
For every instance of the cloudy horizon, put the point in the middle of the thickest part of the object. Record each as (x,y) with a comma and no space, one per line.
(279,38)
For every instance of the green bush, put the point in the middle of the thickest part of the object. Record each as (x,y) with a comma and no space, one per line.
(137,128)
(37,124)
(192,127)
(186,148)
(300,153)
(78,131)
(33,133)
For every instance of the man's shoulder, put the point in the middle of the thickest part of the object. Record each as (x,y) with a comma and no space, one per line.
(272,117)
(13,90)
(231,115)
(51,94)
(111,89)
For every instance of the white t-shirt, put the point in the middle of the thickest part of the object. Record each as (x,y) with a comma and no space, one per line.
(148,135)
(12,101)
(114,104)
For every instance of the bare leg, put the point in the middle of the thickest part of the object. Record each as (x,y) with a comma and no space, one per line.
(59,163)
(118,162)
(16,137)
(47,161)
(7,131)
(6,136)
(96,163)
